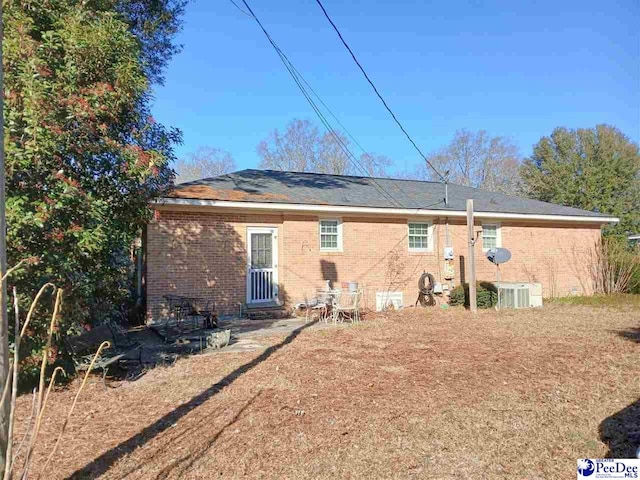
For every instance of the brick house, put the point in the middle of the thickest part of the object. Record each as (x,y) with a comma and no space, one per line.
(258,236)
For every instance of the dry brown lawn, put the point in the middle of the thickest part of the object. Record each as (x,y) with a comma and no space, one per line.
(417,394)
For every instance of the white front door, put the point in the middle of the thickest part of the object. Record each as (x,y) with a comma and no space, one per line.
(262,264)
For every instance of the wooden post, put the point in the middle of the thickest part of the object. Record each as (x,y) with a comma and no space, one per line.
(472,259)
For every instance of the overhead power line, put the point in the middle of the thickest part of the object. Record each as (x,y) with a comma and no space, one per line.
(240,8)
(375,89)
(369,156)
(299,80)
(289,66)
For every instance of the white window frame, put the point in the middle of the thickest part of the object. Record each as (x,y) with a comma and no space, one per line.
(498,234)
(325,249)
(429,224)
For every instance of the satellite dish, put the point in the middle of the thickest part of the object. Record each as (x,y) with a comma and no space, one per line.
(498,255)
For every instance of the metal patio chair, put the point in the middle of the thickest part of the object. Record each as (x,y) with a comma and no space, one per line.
(312,305)
(347,305)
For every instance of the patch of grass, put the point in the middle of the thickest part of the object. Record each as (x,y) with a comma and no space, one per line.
(613,300)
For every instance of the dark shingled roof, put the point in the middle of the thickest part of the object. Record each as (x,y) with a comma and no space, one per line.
(322,189)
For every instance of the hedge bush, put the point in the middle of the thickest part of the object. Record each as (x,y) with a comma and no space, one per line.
(486,296)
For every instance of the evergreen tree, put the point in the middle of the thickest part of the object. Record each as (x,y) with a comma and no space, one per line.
(596,169)
(83,155)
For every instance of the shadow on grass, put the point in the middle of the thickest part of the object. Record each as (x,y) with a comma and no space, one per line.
(184,463)
(621,432)
(101,465)
(632,334)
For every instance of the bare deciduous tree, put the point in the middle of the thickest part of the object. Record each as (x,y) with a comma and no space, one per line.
(302,148)
(476,159)
(295,150)
(331,157)
(375,165)
(204,163)
(418,173)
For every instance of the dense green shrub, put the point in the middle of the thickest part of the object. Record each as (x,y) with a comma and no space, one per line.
(486,297)
(84,157)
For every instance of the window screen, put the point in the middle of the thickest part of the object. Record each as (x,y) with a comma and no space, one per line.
(489,236)
(261,250)
(418,236)
(329,235)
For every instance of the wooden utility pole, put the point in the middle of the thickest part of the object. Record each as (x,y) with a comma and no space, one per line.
(472,258)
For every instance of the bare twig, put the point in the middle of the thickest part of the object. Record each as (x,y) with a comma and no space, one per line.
(552,271)
(13,370)
(30,261)
(529,273)
(612,266)
(103,345)
(33,306)
(12,269)
(6,389)
(578,266)
(52,382)
(39,411)
(14,387)
(26,433)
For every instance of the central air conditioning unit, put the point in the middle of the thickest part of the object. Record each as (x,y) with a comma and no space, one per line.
(520,295)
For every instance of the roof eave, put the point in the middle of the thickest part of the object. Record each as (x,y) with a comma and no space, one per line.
(335,209)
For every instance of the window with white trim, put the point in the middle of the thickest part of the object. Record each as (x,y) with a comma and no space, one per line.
(419,236)
(330,235)
(490,236)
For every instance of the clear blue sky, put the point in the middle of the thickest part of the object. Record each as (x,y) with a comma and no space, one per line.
(515,69)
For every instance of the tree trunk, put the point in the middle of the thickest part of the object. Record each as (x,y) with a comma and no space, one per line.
(4,324)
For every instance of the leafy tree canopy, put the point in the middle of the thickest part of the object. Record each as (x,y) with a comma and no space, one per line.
(83,154)
(596,169)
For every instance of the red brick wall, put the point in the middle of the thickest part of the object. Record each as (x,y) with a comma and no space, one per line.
(204,254)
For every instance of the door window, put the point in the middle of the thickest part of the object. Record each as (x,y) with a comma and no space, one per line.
(261,250)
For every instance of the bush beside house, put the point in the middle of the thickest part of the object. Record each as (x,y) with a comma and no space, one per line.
(487,295)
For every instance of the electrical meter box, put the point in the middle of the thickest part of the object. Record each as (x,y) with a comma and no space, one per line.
(448,253)
(449,270)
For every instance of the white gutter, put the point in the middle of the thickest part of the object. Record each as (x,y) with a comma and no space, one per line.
(297,207)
